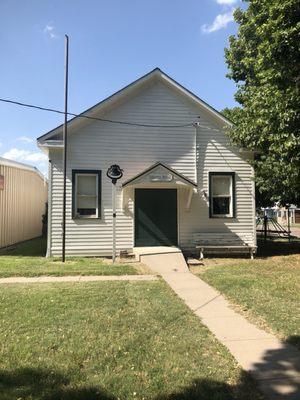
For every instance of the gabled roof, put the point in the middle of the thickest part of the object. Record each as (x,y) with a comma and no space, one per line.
(135,86)
(154,166)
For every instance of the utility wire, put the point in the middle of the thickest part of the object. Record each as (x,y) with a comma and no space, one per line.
(112,122)
(94,118)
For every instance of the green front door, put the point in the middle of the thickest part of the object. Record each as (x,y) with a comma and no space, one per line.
(155,217)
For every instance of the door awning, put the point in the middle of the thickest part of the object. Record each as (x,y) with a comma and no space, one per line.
(159,174)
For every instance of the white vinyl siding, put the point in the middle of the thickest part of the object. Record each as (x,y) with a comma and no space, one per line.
(192,152)
(214,154)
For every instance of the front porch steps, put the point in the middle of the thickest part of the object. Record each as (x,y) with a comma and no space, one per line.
(162,259)
(194,262)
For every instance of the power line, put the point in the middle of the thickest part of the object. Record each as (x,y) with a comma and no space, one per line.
(94,118)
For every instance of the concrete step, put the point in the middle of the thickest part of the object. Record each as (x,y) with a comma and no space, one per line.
(194,262)
(162,260)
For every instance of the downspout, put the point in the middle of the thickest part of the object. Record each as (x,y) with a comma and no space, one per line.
(196,126)
(49,223)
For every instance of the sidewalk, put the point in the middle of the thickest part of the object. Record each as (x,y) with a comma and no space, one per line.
(274,364)
(78,278)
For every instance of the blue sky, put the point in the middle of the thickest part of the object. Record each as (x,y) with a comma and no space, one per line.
(112,43)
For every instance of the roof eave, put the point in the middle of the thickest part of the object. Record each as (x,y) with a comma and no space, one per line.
(115,97)
(106,102)
(196,99)
(16,164)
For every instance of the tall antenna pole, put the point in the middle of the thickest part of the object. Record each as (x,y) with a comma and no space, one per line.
(114,220)
(65,131)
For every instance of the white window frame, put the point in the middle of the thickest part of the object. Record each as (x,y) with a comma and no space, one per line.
(77,174)
(230,176)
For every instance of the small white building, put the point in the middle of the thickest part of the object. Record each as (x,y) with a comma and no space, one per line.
(181,176)
(282,215)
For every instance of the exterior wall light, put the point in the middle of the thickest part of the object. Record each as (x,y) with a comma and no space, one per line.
(114,173)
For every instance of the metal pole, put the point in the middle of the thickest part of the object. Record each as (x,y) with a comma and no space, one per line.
(265,225)
(114,221)
(65,150)
(289,223)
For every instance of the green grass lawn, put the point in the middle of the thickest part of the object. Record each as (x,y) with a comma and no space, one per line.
(110,341)
(28,259)
(266,290)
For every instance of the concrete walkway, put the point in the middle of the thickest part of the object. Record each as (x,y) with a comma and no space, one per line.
(274,364)
(78,278)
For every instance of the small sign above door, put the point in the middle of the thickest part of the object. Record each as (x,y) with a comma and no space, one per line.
(161,177)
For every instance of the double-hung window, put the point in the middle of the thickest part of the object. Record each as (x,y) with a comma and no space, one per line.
(222,194)
(86,190)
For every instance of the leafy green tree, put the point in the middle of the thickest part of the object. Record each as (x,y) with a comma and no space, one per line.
(233,114)
(264,61)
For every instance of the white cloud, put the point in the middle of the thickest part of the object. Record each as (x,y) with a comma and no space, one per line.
(220,22)
(25,139)
(25,155)
(50,31)
(226,2)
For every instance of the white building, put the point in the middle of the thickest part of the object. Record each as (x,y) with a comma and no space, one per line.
(282,215)
(181,176)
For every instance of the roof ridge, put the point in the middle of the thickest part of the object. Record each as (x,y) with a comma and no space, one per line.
(164,76)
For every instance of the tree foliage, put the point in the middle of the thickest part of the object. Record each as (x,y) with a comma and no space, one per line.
(263,59)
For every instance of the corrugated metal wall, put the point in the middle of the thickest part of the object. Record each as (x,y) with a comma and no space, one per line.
(22,204)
